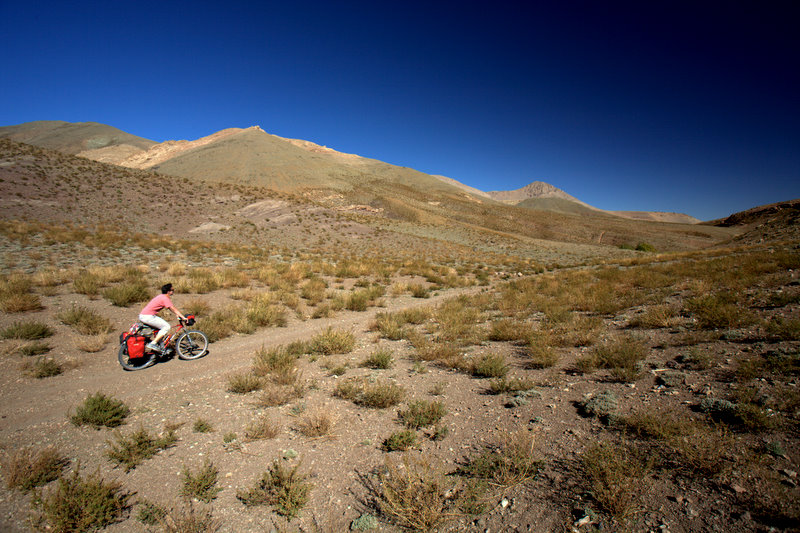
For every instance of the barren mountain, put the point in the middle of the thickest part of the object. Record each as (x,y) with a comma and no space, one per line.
(361,211)
(75,138)
(658,216)
(255,157)
(536,189)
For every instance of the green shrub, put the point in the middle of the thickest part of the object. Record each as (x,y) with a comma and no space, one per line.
(281,487)
(602,405)
(84,320)
(151,513)
(505,385)
(378,394)
(124,294)
(380,359)
(332,341)
(31,349)
(422,413)
(130,451)
(44,367)
(202,425)
(80,504)
(489,366)
(202,484)
(400,441)
(621,355)
(27,331)
(244,382)
(719,311)
(99,410)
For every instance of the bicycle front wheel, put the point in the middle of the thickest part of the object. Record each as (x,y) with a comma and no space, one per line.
(192,345)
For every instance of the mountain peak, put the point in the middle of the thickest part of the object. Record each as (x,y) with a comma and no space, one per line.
(535,189)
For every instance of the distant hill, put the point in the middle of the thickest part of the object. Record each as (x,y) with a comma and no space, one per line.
(75,138)
(545,197)
(537,190)
(252,156)
(382,196)
(658,216)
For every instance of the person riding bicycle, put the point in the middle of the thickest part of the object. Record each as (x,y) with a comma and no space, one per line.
(148,315)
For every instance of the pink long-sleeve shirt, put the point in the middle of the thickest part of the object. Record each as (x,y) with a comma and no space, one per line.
(157,304)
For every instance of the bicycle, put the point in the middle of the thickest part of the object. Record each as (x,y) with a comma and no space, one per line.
(188,343)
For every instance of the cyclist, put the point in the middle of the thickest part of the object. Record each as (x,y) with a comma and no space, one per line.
(148,315)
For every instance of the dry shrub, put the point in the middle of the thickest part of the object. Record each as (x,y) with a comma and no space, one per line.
(507,329)
(20,303)
(719,311)
(681,443)
(615,476)
(196,306)
(43,367)
(413,494)
(378,394)
(262,428)
(540,352)
(457,321)
(16,295)
(92,343)
(316,424)
(389,326)
(188,519)
(622,355)
(657,316)
(507,463)
(28,468)
(279,360)
(274,394)
(441,352)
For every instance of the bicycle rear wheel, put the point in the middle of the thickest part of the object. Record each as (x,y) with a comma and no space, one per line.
(192,344)
(135,364)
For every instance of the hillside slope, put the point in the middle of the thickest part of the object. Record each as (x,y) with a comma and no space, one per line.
(75,138)
(374,215)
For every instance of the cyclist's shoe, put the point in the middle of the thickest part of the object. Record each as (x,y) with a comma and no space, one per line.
(155,347)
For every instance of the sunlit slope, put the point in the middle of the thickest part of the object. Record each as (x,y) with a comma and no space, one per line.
(74,137)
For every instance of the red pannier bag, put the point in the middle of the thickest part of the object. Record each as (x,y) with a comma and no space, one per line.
(134,344)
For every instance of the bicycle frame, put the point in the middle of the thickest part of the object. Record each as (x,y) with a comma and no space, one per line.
(168,338)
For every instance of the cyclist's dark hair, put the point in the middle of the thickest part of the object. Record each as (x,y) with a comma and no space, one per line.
(166,288)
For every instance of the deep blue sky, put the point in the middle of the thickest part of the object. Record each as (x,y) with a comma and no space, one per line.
(691,107)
